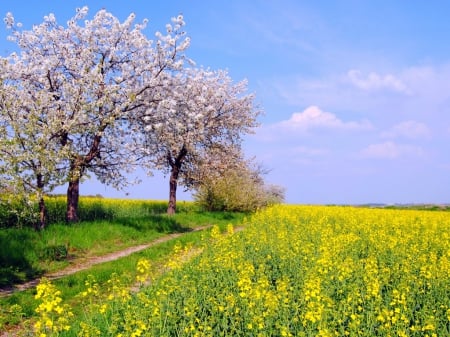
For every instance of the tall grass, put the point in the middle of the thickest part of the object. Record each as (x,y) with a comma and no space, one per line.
(20,306)
(90,209)
(98,208)
(106,225)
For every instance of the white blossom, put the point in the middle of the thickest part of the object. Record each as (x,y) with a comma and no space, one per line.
(203,114)
(73,93)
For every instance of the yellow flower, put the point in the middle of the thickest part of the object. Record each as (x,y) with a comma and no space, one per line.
(143,270)
(52,315)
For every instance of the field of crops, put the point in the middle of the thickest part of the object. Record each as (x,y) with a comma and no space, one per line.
(90,209)
(293,271)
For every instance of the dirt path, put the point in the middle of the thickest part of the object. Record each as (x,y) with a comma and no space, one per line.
(88,263)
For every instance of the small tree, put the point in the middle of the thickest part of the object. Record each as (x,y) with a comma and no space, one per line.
(204,112)
(96,77)
(240,188)
(275,194)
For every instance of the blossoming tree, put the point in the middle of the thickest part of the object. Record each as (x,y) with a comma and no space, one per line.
(32,163)
(200,119)
(91,79)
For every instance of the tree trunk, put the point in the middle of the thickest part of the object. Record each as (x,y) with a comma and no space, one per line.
(173,181)
(73,194)
(175,164)
(42,215)
(40,225)
(77,168)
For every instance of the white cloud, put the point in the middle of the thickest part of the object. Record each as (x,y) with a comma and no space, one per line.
(408,129)
(390,150)
(314,117)
(358,92)
(374,82)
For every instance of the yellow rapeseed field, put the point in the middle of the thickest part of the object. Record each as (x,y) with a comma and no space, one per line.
(293,271)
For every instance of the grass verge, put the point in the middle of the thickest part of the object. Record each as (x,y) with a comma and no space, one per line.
(19,308)
(26,254)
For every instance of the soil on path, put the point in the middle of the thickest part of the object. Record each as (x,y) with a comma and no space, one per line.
(79,265)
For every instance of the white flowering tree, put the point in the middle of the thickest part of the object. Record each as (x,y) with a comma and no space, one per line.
(31,162)
(201,119)
(93,79)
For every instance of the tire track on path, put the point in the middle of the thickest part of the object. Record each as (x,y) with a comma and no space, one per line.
(94,260)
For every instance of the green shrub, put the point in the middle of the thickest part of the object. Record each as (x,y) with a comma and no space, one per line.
(237,190)
(55,253)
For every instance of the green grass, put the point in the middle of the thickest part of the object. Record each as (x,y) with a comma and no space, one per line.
(89,209)
(26,254)
(72,285)
(109,225)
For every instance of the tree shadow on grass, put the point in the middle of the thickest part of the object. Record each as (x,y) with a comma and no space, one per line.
(15,257)
(160,223)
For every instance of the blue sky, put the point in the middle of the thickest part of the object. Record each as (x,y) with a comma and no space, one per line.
(356,94)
